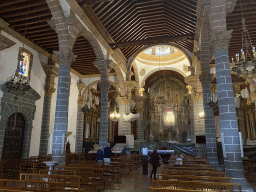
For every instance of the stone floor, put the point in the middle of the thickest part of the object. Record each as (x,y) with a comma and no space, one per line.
(134,182)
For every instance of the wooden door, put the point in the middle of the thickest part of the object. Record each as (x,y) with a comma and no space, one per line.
(13,140)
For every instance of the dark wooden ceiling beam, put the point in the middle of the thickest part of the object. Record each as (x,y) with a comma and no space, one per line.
(35,15)
(37,21)
(24,6)
(90,2)
(32,27)
(119,13)
(12,2)
(22,12)
(152,40)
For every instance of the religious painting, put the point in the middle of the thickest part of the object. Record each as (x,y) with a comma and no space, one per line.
(25,59)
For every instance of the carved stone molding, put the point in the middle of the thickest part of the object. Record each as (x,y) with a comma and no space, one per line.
(51,72)
(220,40)
(106,62)
(129,74)
(198,96)
(5,43)
(124,100)
(81,101)
(65,58)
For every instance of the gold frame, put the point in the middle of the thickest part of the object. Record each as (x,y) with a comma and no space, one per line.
(22,49)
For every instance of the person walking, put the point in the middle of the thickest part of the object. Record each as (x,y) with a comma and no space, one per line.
(154,160)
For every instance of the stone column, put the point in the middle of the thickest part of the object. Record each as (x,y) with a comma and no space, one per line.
(205,78)
(228,119)
(80,119)
(61,113)
(124,127)
(51,72)
(140,109)
(103,132)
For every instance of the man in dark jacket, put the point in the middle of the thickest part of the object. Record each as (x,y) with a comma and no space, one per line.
(154,160)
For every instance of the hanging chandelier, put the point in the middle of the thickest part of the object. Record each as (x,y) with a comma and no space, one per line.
(240,66)
(114,116)
(17,83)
(88,108)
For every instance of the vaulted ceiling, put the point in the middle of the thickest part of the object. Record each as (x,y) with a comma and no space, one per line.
(123,21)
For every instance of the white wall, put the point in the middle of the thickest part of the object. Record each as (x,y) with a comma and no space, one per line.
(8,66)
(72,114)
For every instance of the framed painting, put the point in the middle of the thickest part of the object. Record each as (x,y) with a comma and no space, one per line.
(25,60)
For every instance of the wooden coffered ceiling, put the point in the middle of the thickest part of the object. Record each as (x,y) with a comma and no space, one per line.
(123,22)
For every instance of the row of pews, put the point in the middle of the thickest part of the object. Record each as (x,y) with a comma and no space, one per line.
(79,174)
(194,175)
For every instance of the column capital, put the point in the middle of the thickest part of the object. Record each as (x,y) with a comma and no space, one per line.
(130,84)
(220,40)
(102,62)
(123,100)
(104,85)
(205,78)
(198,96)
(81,86)
(129,74)
(65,58)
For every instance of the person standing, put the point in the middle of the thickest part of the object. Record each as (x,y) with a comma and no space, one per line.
(154,160)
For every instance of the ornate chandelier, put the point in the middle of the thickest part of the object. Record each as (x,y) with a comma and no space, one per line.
(213,102)
(240,65)
(114,116)
(17,83)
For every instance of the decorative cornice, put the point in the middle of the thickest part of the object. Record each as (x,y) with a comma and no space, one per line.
(123,100)
(5,42)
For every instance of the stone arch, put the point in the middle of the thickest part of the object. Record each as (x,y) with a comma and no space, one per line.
(28,114)
(119,76)
(102,65)
(131,59)
(85,91)
(136,72)
(161,69)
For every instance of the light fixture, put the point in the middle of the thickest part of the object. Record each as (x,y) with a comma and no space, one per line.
(213,102)
(201,115)
(240,65)
(114,116)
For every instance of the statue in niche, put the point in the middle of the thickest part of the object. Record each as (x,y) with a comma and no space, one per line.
(68,147)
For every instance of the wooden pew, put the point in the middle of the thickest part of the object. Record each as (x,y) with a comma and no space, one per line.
(195,178)
(195,173)
(195,185)
(154,189)
(69,182)
(31,185)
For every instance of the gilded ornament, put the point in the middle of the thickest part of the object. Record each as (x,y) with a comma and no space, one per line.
(142,72)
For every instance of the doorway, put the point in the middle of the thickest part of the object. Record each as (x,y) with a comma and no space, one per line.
(14,134)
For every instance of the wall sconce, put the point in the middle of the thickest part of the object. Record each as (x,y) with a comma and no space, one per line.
(201,115)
